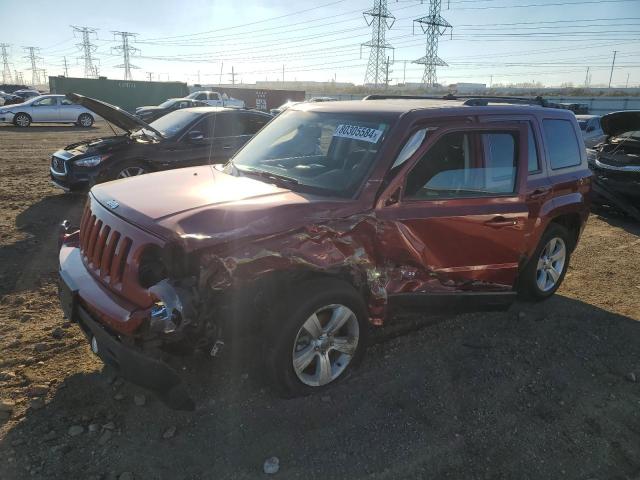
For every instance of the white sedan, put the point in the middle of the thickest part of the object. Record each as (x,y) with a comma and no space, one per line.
(46,109)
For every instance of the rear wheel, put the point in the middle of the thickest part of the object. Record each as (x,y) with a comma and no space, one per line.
(316,337)
(546,269)
(22,120)
(85,120)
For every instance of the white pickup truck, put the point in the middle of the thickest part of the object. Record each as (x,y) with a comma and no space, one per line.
(216,99)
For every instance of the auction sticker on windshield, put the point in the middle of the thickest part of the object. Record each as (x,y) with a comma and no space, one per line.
(356,132)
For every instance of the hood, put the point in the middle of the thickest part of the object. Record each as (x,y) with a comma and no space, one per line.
(202,206)
(111,113)
(617,123)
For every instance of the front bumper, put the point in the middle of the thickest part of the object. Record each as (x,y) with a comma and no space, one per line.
(624,182)
(86,302)
(68,179)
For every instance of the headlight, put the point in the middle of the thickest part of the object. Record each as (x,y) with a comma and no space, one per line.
(4,110)
(91,161)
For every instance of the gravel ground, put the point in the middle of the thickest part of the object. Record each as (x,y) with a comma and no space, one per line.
(547,390)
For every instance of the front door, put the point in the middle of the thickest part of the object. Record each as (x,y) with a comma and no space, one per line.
(457,214)
(45,110)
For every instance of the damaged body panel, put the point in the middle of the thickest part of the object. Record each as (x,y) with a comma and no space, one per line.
(406,206)
(616,162)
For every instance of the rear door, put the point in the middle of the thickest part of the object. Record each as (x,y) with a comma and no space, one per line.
(45,110)
(459,216)
(69,111)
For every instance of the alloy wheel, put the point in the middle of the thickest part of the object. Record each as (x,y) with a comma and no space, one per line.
(85,120)
(22,120)
(325,345)
(551,264)
(131,172)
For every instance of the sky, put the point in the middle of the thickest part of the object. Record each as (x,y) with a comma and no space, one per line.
(491,41)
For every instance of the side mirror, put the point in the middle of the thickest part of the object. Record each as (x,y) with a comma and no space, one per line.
(195,137)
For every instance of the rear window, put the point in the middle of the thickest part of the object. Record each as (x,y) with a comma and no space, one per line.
(562,144)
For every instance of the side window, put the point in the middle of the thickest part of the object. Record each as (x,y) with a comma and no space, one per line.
(562,144)
(66,101)
(46,102)
(202,96)
(204,126)
(250,123)
(223,125)
(454,168)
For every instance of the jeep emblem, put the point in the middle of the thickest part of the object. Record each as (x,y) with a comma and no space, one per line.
(112,204)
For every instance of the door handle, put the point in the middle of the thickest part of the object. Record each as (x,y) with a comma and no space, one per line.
(500,222)
(227,147)
(539,193)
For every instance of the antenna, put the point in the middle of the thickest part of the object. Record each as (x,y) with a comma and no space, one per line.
(434,26)
(6,69)
(87,49)
(379,18)
(127,51)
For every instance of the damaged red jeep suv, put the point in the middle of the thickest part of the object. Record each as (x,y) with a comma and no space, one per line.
(333,214)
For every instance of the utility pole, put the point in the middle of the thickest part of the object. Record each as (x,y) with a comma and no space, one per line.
(612,65)
(150,76)
(490,81)
(127,52)
(586,78)
(233,76)
(18,77)
(66,68)
(221,67)
(434,26)
(386,73)
(627,85)
(404,73)
(283,73)
(87,49)
(380,20)
(33,59)
(198,77)
(6,69)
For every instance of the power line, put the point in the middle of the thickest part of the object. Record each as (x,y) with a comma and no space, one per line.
(87,48)
(434,26)
(380,19)
(6,69)
(126,50)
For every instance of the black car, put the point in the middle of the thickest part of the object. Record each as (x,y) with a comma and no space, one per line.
(149,114)
(187,137)
(616,161)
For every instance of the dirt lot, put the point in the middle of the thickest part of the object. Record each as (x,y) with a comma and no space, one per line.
(543,391)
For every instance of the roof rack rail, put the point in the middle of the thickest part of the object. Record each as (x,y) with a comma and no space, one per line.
(473,100)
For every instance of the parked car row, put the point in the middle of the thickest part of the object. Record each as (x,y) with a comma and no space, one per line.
(314,230)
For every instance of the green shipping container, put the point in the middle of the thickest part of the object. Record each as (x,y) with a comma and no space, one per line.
(126,94)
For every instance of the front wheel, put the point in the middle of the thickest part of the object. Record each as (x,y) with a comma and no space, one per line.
(22,120)
(130,169)
(546,269)
(317,336)
(85,120)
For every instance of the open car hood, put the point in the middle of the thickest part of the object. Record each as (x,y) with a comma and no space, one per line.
(617,123)
(119,117)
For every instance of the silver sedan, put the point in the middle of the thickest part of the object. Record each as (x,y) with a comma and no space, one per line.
(47,109)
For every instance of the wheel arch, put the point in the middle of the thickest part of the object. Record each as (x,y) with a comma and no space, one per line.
(22,113)
(572,222)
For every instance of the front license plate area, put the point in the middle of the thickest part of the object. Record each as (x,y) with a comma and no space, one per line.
(67,293)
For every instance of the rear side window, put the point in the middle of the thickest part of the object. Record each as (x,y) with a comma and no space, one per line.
(562,144)
(534,163)
(250,123)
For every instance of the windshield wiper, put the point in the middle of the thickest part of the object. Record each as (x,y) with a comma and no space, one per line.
(269,175)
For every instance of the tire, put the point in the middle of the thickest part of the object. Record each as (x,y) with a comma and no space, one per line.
(544,272)
(131,168)
(288,338)
(85,120)
(22,120)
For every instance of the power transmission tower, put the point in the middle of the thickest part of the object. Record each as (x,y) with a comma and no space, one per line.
(6,69)
(434,26)
(127,52)
(66,68)
(233,76)
(150,76)
(33,59)
(386,73)
(87,48)
(379,18)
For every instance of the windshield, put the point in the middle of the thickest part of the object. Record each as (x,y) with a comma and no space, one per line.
(167,104)
(174,122)
(326,153)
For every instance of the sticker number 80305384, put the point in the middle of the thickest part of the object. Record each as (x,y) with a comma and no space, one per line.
(356,132)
